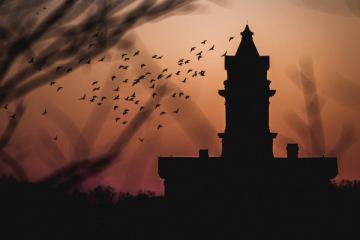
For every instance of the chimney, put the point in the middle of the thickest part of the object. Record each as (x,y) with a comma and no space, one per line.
(292,150)
(203,153)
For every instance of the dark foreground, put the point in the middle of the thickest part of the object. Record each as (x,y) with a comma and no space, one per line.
(32,211)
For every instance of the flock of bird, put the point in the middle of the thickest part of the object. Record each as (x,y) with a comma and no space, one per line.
(197,53)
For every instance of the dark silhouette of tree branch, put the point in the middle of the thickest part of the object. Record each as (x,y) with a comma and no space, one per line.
(305,80)
(311,130)
(61,44)
(5,138)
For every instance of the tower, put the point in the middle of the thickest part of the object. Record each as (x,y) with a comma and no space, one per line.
(247,141)
(247,163)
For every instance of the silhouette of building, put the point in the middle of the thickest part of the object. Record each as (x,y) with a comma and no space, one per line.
(247,160)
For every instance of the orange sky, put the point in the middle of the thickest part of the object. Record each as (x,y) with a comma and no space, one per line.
(282,29)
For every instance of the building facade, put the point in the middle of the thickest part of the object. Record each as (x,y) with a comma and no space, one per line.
(247,160)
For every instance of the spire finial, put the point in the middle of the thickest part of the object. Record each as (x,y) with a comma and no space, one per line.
(247,32)
(247,47)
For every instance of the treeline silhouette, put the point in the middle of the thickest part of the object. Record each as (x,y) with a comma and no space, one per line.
(36,211)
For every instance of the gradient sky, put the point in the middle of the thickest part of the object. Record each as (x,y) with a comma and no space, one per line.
(285,30)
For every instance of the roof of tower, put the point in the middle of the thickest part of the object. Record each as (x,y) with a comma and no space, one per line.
(247,46)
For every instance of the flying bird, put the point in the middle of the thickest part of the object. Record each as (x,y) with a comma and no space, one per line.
(5,106)
(52,83)
(117,119)
(203,42)
(116,107)
(154,95)
(101,59)
(224,55)
(113,78)
(157,105)
(141,108)
(13,116)
(141,139)
(192,49)
(159,126)
(95,82)
(124,122)
(199,57)
(184,81)
(93,98)
(44,112)
(199,53)
(136,81)
(136,53)
(162,113)
(96,89)
(142,65)
(58,89)
(177,73)
(125,111)
(231,38)
(176,111)
(116,89)
(55,138)
(212,48)
(154,56)
(123,55)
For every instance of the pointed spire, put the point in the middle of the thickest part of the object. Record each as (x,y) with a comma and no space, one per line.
(247,32)
(247,46)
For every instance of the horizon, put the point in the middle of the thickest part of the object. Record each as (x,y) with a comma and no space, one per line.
(321,43)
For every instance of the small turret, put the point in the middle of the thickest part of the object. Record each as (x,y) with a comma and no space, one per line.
(292,150)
